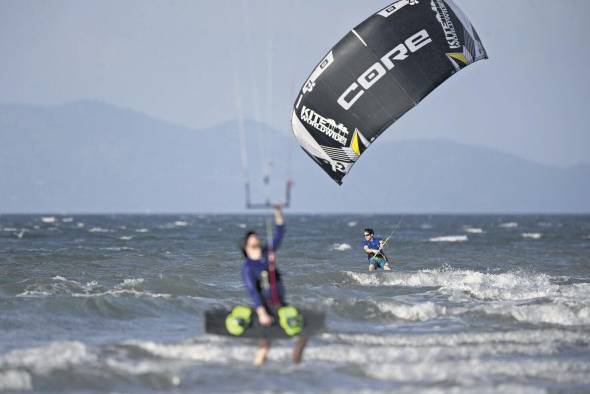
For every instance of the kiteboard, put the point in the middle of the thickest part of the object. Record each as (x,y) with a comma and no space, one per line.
(242,322)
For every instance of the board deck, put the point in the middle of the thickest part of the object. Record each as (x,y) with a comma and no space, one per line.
(215,324)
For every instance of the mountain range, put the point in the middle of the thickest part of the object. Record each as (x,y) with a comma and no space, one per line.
(93,157)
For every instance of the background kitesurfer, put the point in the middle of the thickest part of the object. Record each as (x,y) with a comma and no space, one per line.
(263,289)
(373,248)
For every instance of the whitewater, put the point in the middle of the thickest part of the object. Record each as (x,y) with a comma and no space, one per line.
(104,304)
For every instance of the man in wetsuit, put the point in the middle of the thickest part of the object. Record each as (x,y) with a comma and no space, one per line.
(258,279)
(373,247)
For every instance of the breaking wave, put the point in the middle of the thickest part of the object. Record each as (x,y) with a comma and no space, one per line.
(415,312)
(469,359)
(503,286)
(43,360)
(384,309)
(409,358)
(341,247)
(59,285)
(100,230)
(15,380)
(450,238)
(532,235)
(59,358)
(556,313)
(525,297)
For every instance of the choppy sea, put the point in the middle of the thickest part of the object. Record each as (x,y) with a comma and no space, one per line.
(114,304)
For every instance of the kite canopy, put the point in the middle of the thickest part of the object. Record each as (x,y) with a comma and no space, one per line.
(376,73)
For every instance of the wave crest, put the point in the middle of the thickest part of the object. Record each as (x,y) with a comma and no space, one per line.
(450,238)
(416,312)
(341,247)
(504,286)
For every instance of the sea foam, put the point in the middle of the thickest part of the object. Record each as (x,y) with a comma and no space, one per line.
(99,230)
(15,380)
(504,286)
(415,312)
(551,313)
(532,235)
(341,247)
(450,238)
(44,359)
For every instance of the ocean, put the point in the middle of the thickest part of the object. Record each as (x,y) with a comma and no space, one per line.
(114,304)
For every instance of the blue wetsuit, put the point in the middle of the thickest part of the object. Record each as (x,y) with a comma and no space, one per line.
(378,260)
(256,278)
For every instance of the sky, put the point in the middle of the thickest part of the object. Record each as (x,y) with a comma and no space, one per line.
(194,63)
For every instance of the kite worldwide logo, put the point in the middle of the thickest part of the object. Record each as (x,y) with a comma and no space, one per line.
(337,131)
(443,17)
(378,70)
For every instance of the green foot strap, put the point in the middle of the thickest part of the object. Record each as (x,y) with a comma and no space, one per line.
(290,320)
(238,320)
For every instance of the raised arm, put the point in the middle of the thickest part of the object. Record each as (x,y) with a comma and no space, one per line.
(279,230)
(279,217)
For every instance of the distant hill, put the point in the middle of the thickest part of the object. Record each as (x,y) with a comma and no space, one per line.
(93,157)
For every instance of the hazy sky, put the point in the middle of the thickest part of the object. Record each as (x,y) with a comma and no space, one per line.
(178,60)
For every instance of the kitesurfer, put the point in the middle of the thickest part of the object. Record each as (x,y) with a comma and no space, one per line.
(373,247)
(257,278)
